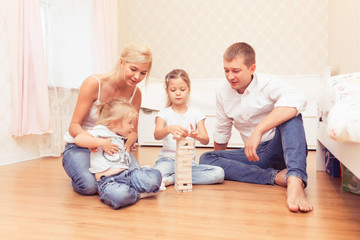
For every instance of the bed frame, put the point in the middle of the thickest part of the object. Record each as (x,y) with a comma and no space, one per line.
(348,153)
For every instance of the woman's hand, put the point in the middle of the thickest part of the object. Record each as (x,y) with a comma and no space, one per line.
(134,147)
(108,147)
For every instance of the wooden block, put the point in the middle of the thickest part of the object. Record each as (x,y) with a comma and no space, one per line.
(183,165)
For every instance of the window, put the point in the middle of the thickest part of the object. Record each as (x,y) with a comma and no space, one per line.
(68,38)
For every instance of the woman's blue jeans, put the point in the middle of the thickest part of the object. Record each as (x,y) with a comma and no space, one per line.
(288,149)
(123,189)
(201,174)
(76,162)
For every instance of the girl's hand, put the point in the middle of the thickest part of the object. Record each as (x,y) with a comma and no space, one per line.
(178,131)
(193,133)
(108,147)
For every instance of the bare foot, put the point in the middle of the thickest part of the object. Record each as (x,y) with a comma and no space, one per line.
(145,195)
(296,198)
(280,178)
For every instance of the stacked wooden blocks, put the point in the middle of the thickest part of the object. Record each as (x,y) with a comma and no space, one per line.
(183,164)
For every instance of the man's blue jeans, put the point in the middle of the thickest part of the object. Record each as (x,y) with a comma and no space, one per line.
(288,149)
(76,162)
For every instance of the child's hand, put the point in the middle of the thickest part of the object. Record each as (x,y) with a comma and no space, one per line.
(108,146)
(193,133)
(178,131)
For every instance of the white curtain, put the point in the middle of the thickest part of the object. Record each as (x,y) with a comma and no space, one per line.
(81,39)
(105,35)
(31,113)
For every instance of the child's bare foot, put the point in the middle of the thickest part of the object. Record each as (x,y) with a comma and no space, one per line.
(296,198)
(280,178)
(145,195)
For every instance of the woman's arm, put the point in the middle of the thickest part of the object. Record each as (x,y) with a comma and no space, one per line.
(130,144)
(85,139)
(88,94)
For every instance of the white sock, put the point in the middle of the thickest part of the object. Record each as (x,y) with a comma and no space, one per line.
(162,186)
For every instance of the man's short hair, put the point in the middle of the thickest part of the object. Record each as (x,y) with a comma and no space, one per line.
(240,49)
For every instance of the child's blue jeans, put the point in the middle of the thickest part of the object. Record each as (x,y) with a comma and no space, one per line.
(123,189)
(201,174)
(76,162)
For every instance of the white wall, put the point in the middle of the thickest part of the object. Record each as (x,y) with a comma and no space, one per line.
(344,36)
(290,37)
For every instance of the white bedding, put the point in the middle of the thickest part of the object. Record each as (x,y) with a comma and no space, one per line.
(342,103)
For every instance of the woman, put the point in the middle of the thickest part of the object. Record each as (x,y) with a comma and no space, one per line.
(134,65)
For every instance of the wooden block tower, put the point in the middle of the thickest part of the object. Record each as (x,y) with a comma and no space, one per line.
(183,164)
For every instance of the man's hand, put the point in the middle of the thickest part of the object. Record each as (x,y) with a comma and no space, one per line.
(251,145)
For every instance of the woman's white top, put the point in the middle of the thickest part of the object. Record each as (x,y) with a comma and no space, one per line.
(92,117)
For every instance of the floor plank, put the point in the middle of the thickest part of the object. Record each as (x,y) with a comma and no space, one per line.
(38,202)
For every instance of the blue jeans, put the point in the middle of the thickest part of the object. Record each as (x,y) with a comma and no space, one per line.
(201,174)
(76,162)
(123,189)
(288,149)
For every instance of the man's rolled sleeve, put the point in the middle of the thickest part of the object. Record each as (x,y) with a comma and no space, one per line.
(223,124)
(286,95)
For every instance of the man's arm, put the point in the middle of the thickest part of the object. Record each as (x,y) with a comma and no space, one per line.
(219,146)
(223,125)
(277,116)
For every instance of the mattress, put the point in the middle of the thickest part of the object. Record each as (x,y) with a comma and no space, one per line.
(340,107)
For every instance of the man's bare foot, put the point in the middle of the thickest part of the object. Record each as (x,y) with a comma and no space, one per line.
(280,178)
(296,198)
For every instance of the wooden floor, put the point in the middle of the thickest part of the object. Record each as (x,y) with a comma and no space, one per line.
(37,202)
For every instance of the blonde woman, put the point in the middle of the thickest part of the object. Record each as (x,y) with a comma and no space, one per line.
(133,67)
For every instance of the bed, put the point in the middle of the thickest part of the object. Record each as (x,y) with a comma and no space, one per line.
(339,121)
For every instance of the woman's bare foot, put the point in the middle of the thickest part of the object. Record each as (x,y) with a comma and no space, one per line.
(280,178)
(296,199)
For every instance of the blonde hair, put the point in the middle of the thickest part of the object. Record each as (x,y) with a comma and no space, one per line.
(175,74)
(136,53)
(241,49)
(117,109)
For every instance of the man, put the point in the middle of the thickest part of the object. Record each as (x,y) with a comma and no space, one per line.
(266,112)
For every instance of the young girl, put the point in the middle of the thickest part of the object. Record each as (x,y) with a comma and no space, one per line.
(118,183)
(179,120)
